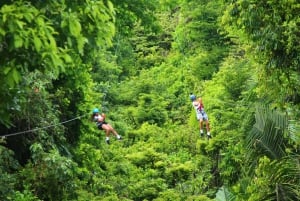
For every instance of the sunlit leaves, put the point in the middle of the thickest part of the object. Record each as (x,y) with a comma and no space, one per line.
(28,42)
(161,156)
(12,76)
(147,158)
(74,26)
(179,172)
(37,43)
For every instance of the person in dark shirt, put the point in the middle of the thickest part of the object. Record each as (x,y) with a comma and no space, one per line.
(103,125)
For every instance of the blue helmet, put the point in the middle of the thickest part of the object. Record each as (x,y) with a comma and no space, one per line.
(95,110)
(192,97)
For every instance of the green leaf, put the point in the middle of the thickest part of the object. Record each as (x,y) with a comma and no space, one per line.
(9,80)
(37,43)
(18,41)
(52,43)
(80,43)
(20,24)
(74,27)
(110,6)
(267,134)
(28,16)
(56,61)
(15,75)
(2,32)
(224,195)
(6,70)
(67,58)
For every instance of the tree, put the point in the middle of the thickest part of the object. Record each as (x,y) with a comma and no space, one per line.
(270,29)
(28,43)
(48,49)
(268,143)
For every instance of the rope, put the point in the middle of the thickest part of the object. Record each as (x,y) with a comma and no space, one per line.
(36,129)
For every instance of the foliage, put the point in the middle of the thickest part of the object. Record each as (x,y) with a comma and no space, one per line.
(138,61)
(282,184)
(272,130)
(128,12)
(7,166)
(25,30)
(268,134)
(26,195)
(49,175)
(270,27)
(224,195)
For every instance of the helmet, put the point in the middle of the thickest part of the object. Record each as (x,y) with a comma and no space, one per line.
(95,110)
(192,97)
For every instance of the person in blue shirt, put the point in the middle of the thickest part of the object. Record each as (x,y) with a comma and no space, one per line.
(103,125)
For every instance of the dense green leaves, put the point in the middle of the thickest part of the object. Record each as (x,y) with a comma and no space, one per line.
(138,61)
(270,28)
(269,133)
(24,30)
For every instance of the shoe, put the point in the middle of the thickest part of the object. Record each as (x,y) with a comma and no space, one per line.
(120,138)
(201,133)
(208,136)
(107,141)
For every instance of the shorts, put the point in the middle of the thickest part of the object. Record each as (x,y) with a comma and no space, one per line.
(99,125)
(202,115)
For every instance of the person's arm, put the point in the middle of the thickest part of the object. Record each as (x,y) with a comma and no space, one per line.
(101,117)
(201,106)
(104,116)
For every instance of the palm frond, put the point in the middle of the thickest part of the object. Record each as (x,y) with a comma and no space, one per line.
(224,194)
(284,180)
(294,131)
(267,135)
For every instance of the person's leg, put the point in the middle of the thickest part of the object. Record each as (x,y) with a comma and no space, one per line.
(207,128)
(111,129)
(201,126)
(107,132)
(200,119)
(114,132)
(205,118)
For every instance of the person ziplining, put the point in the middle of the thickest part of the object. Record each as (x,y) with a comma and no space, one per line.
(200,114)
(103,125)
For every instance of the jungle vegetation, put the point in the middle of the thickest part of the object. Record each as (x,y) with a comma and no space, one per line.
(138,61)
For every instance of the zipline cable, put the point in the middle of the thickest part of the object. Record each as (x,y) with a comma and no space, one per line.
(41,128)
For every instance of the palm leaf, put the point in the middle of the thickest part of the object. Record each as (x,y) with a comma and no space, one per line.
(267,135)
(284,180)
(223,194)
(294,131)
